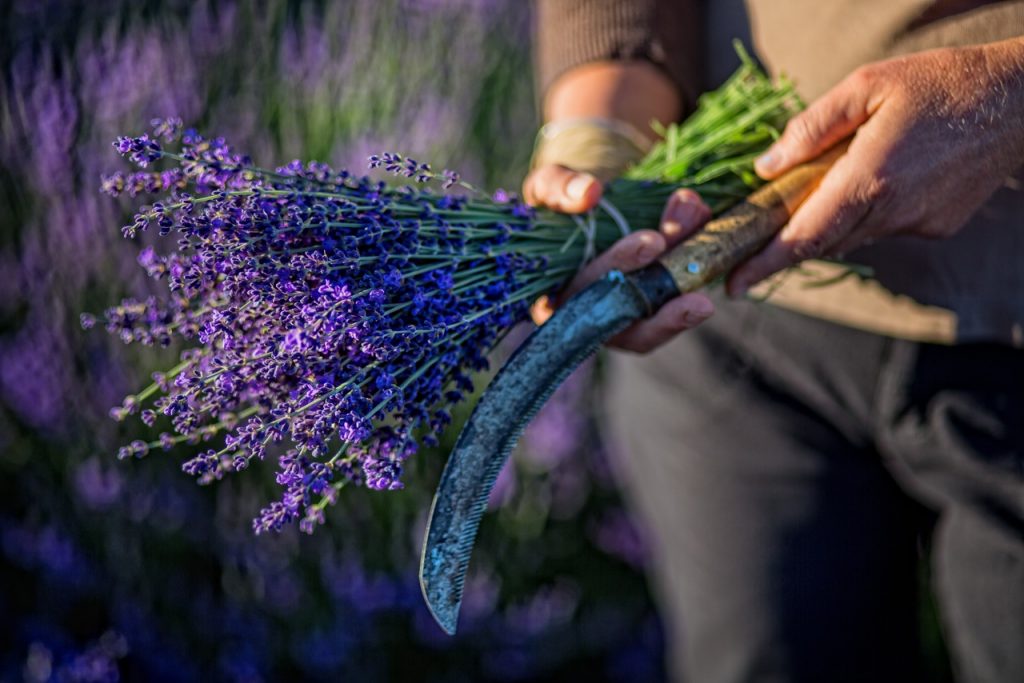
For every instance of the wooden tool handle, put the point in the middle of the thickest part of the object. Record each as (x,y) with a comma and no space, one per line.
(739,233)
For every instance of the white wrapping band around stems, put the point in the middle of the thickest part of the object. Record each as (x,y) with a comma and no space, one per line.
(587,224)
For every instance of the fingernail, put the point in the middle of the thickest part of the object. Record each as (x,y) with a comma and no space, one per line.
(767,162)
(703,308)
(578,186)
(671,227)
(698,312)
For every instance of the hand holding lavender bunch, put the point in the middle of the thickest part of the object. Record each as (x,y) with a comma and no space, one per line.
(336,320)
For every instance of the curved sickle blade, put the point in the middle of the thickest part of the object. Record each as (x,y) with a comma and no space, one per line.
(511,400)
(563,342)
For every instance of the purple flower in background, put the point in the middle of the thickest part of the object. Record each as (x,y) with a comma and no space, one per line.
(505,486)
(97,663)
(99,487)
(305,54)
(618,535)
(560,428)
(171,567)
(548,607)
(32,376)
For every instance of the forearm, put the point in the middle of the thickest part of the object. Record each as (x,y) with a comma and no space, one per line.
(635,92)
(1005,107)
(632,60)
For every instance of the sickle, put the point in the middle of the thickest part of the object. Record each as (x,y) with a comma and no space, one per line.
(554,350)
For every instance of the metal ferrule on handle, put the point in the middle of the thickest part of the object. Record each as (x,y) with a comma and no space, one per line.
(734,236)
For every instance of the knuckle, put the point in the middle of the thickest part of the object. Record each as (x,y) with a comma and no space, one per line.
(691,319)
(550,174)
(809,247)
(877,190)
(810,240)
(672,322)
(880,187)
(539,190)
(685,322)
(802,129)
(864,76)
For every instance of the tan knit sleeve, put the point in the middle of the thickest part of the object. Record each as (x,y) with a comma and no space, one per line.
(664,32)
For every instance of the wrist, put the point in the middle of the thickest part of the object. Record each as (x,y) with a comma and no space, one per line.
(602,147)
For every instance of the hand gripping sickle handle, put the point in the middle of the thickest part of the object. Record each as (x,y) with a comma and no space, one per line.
(733,237)
(554,349)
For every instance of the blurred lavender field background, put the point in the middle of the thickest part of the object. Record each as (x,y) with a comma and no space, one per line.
(127,570)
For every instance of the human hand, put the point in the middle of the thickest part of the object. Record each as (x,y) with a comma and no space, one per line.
(561,189)
(937,133)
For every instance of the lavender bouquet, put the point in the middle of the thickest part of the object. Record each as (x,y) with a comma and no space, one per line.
(332,321)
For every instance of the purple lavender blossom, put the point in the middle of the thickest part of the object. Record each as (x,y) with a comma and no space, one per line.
(140,150)
(97,663)
(336,319)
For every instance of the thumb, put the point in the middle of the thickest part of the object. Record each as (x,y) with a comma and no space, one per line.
(561,189)
(829,119)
